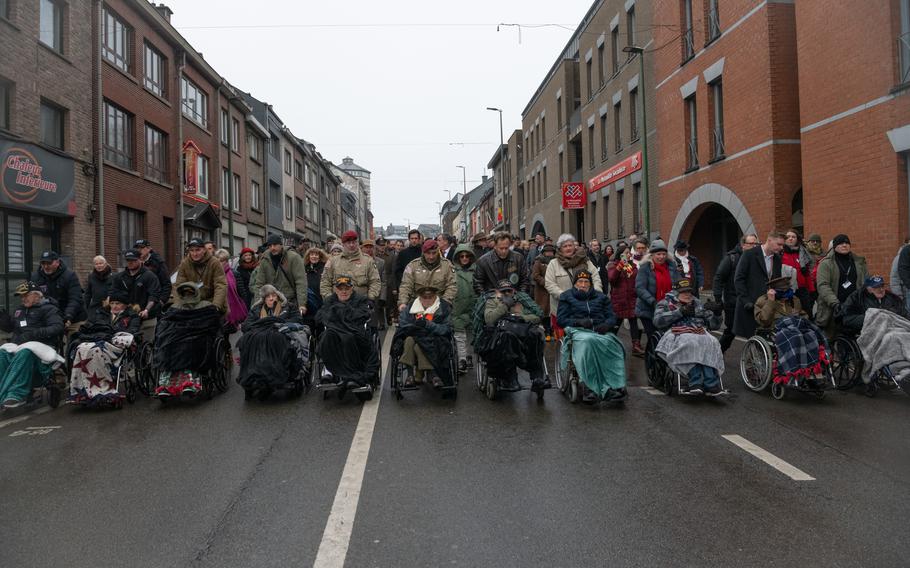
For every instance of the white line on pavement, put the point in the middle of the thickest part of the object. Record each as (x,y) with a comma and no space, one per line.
(25,417)
(337,535)
(780,465)
(654,391)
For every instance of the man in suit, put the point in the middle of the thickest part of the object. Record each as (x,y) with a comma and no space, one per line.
(446,246)
(756,267)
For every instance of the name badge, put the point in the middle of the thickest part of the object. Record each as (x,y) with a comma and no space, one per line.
(23,323)
(847,284)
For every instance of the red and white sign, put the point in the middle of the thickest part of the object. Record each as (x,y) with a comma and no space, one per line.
(190,170)
(617,172)
(573,195)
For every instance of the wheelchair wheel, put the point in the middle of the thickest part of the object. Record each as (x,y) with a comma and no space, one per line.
(778,391)
(561,382)
(129,376)
(146,378)
(846,363)
(480,375)
(54,394)
(491,390)
(755,364)
(574,391)
(224,362)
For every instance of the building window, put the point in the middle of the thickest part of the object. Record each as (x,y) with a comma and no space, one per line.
(6,102)
(903,44)
(633,115)
(155,153)
(155,71)
(713,21)
(617,126)
(273,146)
(52,119)
(591,147)
(287,162)
(51,24)
(234,188)
(716,90)
(4,9)
(255,195)
(543,129)
(603,137)
(600,65)
(630,28)
(691,134)
(620,229)
(225,186)
(202,176)
(614,47)
(195,102)
(636,207)
(115,41)
(562,169)
(298,170)
(235,135)
(606,216)
(118,131)
(688,35)
(130,227)
(589,65)
(288,206)
(225,120)
(235,193)
(255,146)
(544,183)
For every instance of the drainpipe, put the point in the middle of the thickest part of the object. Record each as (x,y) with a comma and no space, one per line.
(181,244)
(229,189)
(99,147)
(266,188)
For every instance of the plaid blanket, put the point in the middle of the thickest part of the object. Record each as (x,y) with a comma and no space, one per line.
(801,348)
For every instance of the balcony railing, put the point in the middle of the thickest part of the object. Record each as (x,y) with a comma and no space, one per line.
(713,24)
(688,45)
(718,150)
(903,57)
(692,163)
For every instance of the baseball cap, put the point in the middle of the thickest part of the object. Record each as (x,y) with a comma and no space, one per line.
(343,280)
(48,256)
(130,255)
(197,242)
(684,285)
(875,281)
(140,243)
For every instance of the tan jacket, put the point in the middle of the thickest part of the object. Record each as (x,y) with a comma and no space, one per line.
(358,266)
(417,274)
(769,311)
(209,272)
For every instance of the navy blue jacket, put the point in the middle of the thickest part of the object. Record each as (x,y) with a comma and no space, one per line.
(64,288)
(575,305)
(646,287)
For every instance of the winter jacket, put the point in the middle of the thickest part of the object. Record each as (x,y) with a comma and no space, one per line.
(314,276)
(210,273)
(97,289)
(751,282)
(828,279)
(576,306)
(903,268)
(646,287)
(156,266)
(558,278)
(358,266)
(141,288)
(243,274)
(127,321)
(380,269)
(282,309)
(803,263)
(490,269)
(43,323)
(696,271)
(402,260)
(769,311)
(418,274)
(289,277)
(465,298)
(495,309)
(622,287)
(668,313)
(724,287)
(63,287)
(391,281)
(539,277)
(856,305)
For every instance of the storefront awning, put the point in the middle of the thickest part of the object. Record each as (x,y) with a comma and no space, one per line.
(202,216)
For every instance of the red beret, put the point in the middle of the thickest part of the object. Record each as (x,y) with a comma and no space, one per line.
(349,236)
(430,244)
(247,250)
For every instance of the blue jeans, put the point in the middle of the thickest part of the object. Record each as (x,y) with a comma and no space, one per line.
(703,376)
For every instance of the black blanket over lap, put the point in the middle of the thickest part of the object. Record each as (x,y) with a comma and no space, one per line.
(266,355)
(185,339)
(346,345)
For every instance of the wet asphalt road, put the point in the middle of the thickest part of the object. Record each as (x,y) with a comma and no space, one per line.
(473,483)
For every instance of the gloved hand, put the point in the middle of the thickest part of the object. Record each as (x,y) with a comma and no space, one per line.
(749,306)
(421,323)
(585,323)
(371,304)
(508,300)
(602,328)
(687,310)
(715,307)
(381,303)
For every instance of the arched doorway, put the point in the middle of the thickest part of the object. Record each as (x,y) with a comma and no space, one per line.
(713,232)
(538,228)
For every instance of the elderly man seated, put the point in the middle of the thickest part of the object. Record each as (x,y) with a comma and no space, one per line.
(687,346)
(27,360)
(424,339)
(881,320)
(587,317)
(346,346)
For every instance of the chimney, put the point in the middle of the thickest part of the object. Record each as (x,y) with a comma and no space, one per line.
(484,179)
(164,11)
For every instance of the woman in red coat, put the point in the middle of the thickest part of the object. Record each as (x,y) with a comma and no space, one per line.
(621,272)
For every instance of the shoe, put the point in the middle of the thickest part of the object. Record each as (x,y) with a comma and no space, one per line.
(616,395)
(637,350)
(189,390)
(870,389)
(437,382)
(509,383)
(538,385)
(714,391)
(162,392)
(462,366)
(12,403)
(696,390)
(409,380)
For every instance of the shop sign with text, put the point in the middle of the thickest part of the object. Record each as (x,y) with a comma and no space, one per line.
(573,195)
(622,169)
(35,179)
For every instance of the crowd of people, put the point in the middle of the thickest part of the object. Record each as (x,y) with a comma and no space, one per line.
(432,287)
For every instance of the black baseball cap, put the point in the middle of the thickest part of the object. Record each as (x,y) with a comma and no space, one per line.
(131,255)
(197,242)
(141,243)
(48,256)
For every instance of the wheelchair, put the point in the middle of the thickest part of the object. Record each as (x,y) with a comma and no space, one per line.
(397,370)
(492,386)
(127,376)
(569,382)
(364,393)
(847,366)
(758,363)
(216,377)
(296,385)
(662,377)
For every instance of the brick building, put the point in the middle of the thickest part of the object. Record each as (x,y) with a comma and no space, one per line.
(728,115)
(854,119)
(47,174)
(584,124)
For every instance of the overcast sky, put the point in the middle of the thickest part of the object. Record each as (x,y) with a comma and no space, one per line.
(399,86)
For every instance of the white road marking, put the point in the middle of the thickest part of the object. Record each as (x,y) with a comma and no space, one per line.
(25,417)
(780,465)
(652,390)
(337,535)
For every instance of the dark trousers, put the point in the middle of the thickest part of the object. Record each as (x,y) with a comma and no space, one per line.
(648,324)
(726,340)
(634,330)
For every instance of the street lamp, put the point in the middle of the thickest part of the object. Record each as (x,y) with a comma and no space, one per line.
(640,51)
(502,164)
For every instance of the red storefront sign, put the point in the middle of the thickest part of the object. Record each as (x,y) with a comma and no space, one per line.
(573,195)
(617,172)
(190,167)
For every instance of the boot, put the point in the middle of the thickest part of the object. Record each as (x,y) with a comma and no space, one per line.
(637,349)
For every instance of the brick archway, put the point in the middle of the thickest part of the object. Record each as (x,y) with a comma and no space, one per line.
(708,194)
(537,224)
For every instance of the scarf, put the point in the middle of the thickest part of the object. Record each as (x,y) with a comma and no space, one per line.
(684,261)
(248,265)
(572,262)
(663,280)
(846,283)
(637,258)
(418,310)
(265,312)
(625,268)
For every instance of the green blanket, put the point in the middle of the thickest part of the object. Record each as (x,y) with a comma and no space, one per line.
(599,359)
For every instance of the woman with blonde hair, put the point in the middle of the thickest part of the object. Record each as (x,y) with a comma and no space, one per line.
(97,284)
(237,310)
